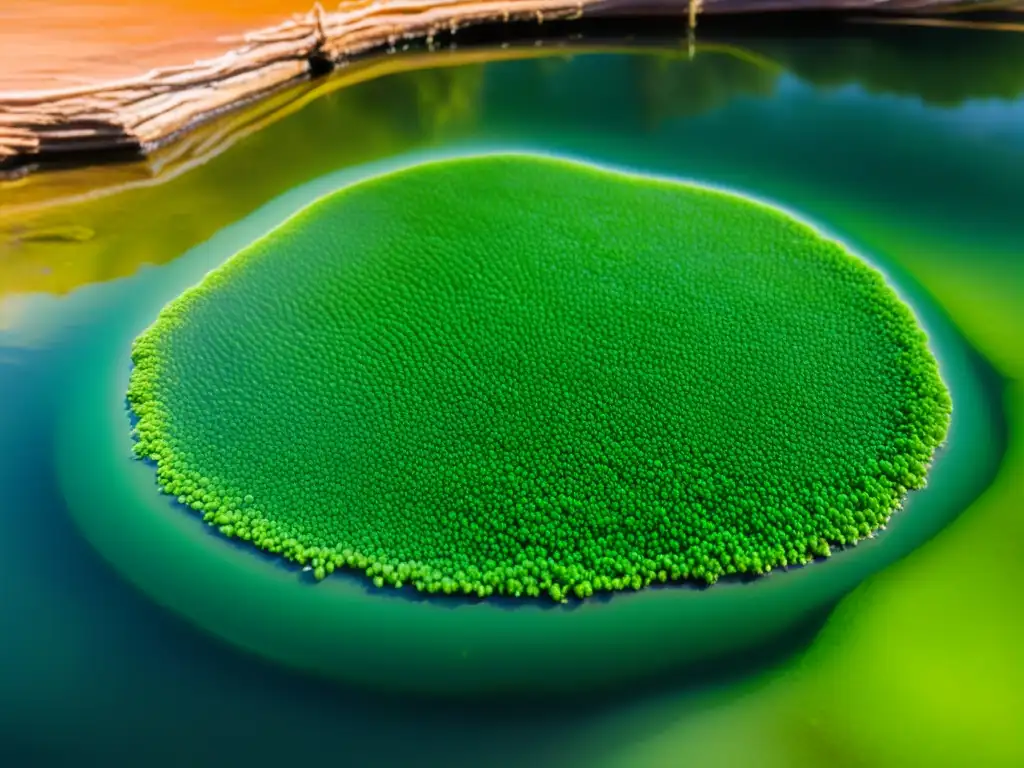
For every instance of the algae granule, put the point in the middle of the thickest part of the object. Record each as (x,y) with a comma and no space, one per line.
(524,376)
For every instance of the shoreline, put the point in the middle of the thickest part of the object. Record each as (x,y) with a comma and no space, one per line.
(128,119)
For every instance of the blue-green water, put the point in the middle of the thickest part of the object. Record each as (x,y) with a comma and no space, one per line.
(116,606)
(342,629)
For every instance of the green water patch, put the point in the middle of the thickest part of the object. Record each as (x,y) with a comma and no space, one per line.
(522,376)
(343,629)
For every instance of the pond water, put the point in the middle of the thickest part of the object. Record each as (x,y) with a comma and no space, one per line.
(132,634)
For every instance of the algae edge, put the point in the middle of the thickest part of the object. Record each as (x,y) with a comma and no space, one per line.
(853,510)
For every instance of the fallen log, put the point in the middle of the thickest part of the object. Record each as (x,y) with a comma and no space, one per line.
(135,116)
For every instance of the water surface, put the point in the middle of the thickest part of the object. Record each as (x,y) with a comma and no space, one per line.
(928,187)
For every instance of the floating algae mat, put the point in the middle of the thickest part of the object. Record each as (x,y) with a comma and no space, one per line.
(523,376)
(345,628)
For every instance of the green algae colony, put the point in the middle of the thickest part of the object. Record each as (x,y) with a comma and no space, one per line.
(524,376)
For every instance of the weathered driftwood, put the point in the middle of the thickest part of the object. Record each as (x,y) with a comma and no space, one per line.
(137,115)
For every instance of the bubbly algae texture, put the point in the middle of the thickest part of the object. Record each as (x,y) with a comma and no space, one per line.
(520,375)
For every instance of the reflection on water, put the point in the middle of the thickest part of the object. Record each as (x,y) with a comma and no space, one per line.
(927,64)
(189,190)
(914,161)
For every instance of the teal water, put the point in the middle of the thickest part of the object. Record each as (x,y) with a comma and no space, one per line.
(123,616)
